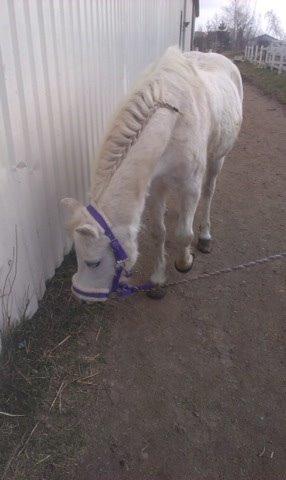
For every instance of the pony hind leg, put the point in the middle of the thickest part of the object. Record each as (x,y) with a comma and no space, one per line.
(213,170)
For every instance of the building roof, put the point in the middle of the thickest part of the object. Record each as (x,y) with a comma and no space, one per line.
(265,36)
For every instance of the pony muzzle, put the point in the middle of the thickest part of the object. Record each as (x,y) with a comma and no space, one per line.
(97,295)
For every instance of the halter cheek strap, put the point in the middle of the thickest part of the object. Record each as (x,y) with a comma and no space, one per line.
(120,257)
(119,253)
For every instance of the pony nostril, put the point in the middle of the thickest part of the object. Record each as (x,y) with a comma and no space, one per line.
(92,264)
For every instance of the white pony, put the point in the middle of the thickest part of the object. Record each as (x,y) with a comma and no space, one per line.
(173,131)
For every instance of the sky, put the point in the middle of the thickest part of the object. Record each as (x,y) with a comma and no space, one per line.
(208,8)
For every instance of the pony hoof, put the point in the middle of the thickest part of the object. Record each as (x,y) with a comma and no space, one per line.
(204,245)
(184,269)
(158,292)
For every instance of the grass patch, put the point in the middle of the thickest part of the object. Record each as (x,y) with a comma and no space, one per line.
(266,80)
(44,382)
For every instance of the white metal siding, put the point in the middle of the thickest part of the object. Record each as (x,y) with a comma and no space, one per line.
(64,64)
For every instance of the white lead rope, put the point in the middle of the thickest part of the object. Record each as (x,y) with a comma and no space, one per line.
(241,266)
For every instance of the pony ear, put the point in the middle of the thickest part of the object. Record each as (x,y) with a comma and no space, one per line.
(70,205)
(76,217)
(72,214)
(87,231)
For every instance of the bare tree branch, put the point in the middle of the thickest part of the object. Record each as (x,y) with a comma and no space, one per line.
(274,26)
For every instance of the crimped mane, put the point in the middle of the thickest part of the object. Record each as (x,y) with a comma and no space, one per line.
(149,95)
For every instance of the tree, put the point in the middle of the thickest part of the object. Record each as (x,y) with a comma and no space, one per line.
(274,25)
(213,24)
(242,22)
(223,36)
(222,26)
(233,27)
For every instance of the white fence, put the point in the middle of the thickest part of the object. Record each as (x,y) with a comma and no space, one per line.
(273,56)
(64,64)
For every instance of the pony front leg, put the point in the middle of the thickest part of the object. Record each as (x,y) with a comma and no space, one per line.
(158,209)
(185,258)
(213,170)
(184,232)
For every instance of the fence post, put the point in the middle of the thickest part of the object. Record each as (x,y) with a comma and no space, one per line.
(267,58)
(260,55)
(280,66)
(252,53)
(256,54)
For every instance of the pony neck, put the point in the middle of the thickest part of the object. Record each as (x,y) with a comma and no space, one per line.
(123,200)
(123,197)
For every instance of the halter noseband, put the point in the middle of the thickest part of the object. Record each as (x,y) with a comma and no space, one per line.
(120,257)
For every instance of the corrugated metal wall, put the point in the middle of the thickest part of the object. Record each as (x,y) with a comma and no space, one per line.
(64,64)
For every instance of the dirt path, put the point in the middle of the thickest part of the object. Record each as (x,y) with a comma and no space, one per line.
(192,385)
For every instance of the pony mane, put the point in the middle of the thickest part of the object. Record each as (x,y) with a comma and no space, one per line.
(150,93)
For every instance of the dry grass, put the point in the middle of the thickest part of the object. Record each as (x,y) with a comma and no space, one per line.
(266,80)
(44,383)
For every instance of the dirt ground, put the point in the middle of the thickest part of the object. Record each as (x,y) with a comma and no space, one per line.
(192,387)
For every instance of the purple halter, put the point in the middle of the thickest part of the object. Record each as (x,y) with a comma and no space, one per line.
(120,257)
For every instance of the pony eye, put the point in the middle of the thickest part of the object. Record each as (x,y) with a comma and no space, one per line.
(92,264)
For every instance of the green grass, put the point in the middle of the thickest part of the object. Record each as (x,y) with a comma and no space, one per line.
(266,80)
(45,440)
